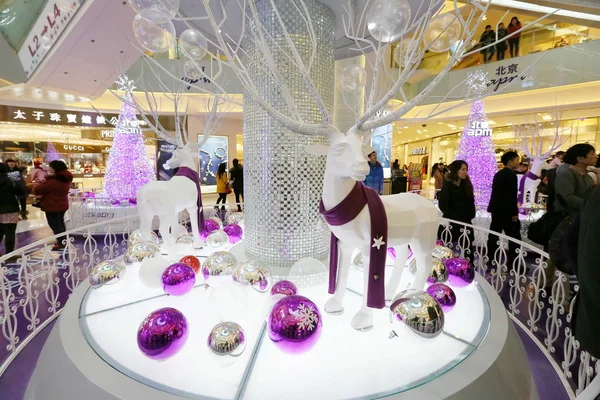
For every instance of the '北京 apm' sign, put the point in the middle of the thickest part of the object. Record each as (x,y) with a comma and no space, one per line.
(479,128)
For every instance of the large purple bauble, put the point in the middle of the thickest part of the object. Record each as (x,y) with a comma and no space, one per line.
(235,232)
(460,271)
(443,294)
(209,226)
(162,333)
(285,288)
(178,279)
(295,324)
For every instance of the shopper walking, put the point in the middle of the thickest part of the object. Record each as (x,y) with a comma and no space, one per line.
(222,185)
(501,45)
(487,37)
(16,174)
(503,207)
(438,177)
(573,184)
(513,41)
(457,202)
(9,209)
(38,175)
(54,198)
(375,178)
(236,176)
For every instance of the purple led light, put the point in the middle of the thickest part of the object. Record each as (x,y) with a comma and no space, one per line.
(128,167)
(479,153)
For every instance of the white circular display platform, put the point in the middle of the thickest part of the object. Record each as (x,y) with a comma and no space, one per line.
(92,353)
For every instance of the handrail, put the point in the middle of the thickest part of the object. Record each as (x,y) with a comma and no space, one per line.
(30,300)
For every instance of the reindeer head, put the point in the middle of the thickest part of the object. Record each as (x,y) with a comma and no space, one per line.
(346,156)
(181,156)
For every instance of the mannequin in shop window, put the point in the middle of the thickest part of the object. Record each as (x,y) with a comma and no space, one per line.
(375,178)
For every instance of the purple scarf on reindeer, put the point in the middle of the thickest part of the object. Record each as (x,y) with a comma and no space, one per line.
(521,195)
(194,177)
(348,209)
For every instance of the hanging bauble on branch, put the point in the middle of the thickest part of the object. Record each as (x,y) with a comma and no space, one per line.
(388,19)
(153,36)
(407,52)
(158,11)
(352,78)
(191,70)
(193,44)
(443,31)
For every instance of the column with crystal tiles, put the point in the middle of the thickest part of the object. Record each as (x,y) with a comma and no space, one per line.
(282,183)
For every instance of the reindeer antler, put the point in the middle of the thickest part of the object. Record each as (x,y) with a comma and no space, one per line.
(531,136)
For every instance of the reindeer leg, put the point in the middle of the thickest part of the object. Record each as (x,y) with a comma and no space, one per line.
(392,285)
(424,266)
(334,304)
(165,234)
(364,318)
(193,212)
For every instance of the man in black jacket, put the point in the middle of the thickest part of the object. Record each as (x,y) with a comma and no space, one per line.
(236,175)
(503,206)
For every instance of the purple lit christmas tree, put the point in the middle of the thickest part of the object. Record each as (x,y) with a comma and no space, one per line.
(128,167)
(476,147)
(51,153)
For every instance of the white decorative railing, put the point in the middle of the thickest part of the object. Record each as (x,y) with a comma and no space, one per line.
(35,288)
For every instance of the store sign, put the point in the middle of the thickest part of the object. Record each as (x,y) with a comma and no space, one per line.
(69,118)
(418,151)
(479,129)
(109,134)
(505,74)
(51,23)
(78,148)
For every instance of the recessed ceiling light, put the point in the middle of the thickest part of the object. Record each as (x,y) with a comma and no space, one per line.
(452,126)
(484,18)
(424,130)
(406,127)
(419,131)
(491,122)
(547,117)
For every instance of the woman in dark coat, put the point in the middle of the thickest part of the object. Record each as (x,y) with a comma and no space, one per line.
(9,208)
(586,323)
(54,202)
(457,201)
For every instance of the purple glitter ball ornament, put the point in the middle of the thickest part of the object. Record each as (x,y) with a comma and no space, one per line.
(294,324)
(133,201)
(443,294)
(235,232)
(178,279)
(285,288)
(460,271)
(162,333)
(209,226)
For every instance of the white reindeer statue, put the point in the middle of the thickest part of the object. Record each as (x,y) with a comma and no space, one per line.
(365,220)
(166,199)
(532,141)
(359,218)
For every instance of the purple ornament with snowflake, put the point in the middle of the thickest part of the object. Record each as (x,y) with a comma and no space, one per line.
(295,324)
(443,294)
